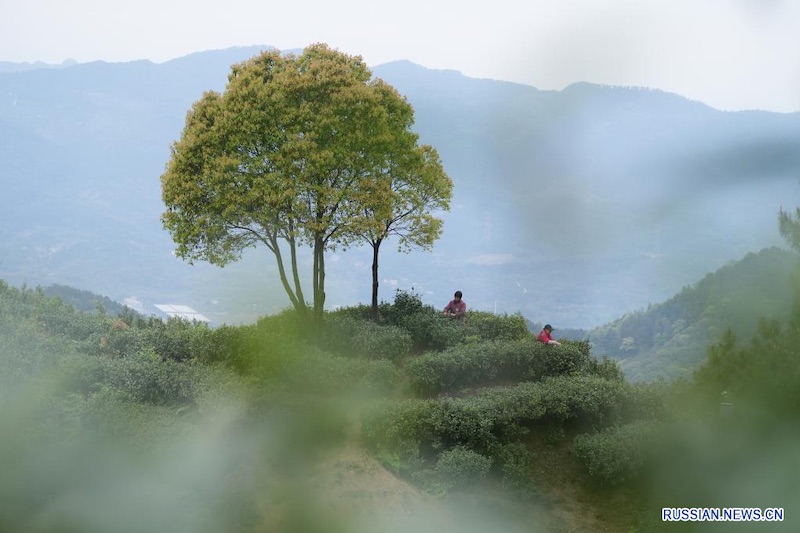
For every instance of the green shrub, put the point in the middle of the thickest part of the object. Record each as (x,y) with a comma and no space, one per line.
(488,326)
(258,349)
(358,312)
(406,303)
(312,371)
(588,401)
(501,362)
(146,378)
(364,338)
(568,359)
(646,401)
(388,426)
(495,415)
(452,369)
(606,368)
(460,467)
(514,462)
(430,330)
(618,454)
(469,365)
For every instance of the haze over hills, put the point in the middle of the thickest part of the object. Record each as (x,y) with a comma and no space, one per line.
(573,207)
(671,339)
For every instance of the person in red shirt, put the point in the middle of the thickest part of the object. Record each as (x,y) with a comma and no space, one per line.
(546,336)
(457,307)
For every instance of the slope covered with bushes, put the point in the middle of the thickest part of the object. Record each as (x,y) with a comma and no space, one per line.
(221,429)
(669,339)
(119,423)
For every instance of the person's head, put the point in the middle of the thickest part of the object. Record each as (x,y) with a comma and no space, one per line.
(457,295)
(548,327)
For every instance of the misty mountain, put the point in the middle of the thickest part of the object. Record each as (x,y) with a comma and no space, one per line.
(670,339)
(572,207)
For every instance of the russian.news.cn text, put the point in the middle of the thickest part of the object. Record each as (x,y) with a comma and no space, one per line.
(724,514)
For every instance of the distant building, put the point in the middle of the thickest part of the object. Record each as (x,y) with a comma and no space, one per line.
(181,311)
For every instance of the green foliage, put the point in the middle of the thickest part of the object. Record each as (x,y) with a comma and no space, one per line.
(620,453)
(430,330)
(49,315)
(300,150)
(175,339)
(362,312)
(497,327)
(460,467)
(363,338)
(514,462)
(104,409)
(496,362)
(85,300)
(789,227)
(286,351)
(317,373)
(259,348)
(146,378)
(406,303)
(762,377)
(497,415)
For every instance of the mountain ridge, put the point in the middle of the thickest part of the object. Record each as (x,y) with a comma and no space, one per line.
(616,197)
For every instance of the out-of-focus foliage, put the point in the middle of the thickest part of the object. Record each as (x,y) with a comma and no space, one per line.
(105,416)
(364,338)
(618,453)
(133,412)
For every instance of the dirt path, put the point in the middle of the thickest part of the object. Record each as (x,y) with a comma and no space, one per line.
(349,490)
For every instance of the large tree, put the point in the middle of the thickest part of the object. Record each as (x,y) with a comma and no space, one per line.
(294,152)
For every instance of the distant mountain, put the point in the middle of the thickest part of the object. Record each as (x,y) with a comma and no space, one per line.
(6,66)
(572,207)
(671,339)
(85,300)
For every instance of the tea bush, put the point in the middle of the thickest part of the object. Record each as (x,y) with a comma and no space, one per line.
(460,467)
(363,338)
(496,415)
(406,303)
(501,362)
(514,464)
(618,454)
(489,326)
(258,349)
(429,330)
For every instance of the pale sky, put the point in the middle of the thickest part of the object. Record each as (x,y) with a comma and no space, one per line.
(730,54)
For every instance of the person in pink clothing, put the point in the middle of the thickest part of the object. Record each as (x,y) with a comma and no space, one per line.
(546,336)
(457,307)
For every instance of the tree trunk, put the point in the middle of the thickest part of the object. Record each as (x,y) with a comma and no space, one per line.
(375,248)
(319,279)
(296,275)
(298,304)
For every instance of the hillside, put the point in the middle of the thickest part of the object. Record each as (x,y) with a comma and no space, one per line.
(670,339)
(572,207)
(244,429)
(417,423)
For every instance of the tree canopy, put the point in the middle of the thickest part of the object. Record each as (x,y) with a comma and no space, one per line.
(297,150)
